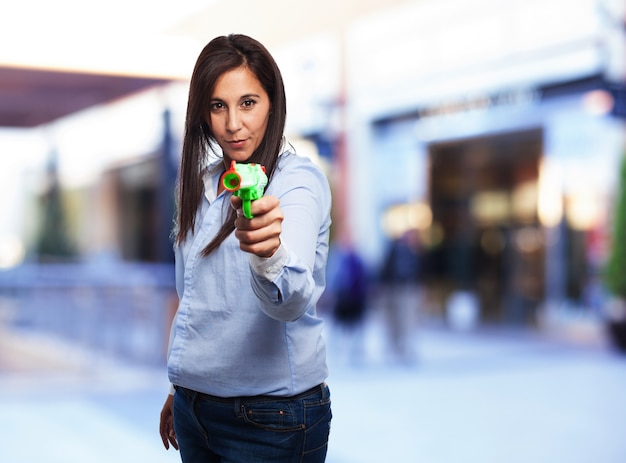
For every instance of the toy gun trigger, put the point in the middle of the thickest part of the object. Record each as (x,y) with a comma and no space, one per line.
(245,205)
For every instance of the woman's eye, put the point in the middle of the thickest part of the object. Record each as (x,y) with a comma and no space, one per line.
(247,103)
(216,106)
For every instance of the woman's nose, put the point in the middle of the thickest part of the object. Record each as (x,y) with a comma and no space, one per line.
(234,121)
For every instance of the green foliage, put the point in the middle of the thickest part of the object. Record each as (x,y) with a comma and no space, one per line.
(615,276)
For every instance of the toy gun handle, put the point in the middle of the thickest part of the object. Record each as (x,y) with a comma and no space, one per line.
(246,181)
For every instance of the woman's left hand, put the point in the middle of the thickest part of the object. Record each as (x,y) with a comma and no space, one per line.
(166,425)
(261,234)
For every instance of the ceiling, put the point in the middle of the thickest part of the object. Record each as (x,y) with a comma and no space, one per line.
(68,55)
(31,97)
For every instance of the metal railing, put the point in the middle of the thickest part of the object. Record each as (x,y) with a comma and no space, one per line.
(120,309)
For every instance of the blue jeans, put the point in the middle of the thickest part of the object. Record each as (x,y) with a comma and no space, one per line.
(253,429)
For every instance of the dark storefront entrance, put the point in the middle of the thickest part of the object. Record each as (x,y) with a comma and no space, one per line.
(483,195)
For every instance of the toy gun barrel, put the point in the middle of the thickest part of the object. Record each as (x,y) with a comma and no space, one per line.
(246,181)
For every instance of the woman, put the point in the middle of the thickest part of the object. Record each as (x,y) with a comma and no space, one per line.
(247,358)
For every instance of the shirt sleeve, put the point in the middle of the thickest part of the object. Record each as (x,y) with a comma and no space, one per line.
(289,283)
(269,267)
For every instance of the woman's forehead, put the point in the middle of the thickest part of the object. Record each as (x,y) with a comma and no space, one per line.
(237,83)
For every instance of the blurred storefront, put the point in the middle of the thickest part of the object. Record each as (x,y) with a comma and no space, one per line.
(137,203)
(497,138)
(97,263)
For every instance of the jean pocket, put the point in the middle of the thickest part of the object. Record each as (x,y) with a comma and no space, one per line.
(273,415)
(318,418)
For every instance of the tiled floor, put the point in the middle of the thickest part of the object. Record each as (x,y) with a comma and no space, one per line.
(483,398)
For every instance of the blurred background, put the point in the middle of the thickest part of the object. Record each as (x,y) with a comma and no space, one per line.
(477,279)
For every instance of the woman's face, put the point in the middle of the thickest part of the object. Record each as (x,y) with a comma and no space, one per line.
(239,111)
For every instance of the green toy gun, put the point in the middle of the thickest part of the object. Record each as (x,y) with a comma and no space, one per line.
(246,181)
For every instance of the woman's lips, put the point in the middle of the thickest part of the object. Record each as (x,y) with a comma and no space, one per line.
(237,144)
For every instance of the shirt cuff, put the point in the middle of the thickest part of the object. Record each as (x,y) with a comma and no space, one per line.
(269,267)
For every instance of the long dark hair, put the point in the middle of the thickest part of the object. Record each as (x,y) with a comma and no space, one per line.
(221,55)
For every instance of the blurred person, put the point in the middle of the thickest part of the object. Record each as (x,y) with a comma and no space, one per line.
(401,294)
(247,359)
(348,287)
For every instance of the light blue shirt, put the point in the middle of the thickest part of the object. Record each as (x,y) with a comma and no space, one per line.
(247,325)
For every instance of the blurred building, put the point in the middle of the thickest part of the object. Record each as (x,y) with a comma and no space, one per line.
(495,129)
(492,128)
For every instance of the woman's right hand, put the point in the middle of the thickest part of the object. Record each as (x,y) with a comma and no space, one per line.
(261,234)
(166,426)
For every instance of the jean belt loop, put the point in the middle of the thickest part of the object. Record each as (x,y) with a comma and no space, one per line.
(237,409)
(324,390)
